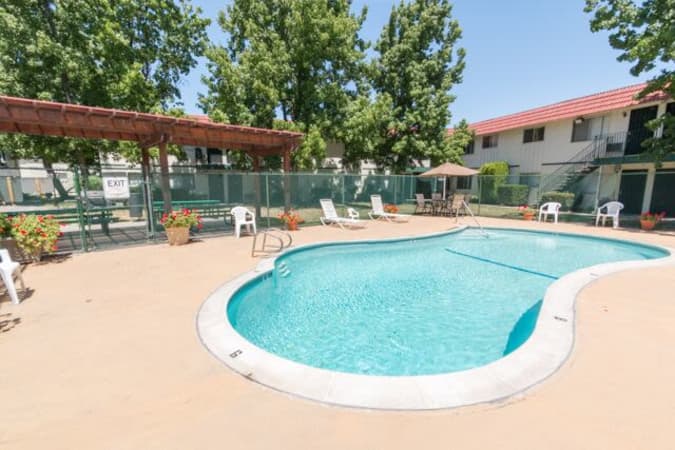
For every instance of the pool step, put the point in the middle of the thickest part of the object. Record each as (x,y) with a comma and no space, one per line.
(283,270)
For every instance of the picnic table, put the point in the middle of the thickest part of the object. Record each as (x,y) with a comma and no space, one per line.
(96,216)
(205,208)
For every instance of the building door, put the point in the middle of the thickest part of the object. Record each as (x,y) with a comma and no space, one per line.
(632,190)
(663,195)
(637,130)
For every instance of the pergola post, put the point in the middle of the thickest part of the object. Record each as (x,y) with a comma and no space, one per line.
(147,191)
(164,173)
(256,182)
(287,178)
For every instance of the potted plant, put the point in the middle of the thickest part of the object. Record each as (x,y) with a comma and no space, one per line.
(292,219)
(391,208)
(526,212)
(177,225)
(649,220)
(36,234)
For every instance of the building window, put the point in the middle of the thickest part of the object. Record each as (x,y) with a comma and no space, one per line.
(468,150)
(489,141)
(464,183)
(533,135)
(214,156)
(586,129)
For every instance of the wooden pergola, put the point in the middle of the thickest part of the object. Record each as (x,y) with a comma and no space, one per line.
(43,118)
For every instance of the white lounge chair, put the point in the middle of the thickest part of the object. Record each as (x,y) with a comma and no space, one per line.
(378,211)
(243,217)
(330,216)
(612,209)
(549,208)
(7,270)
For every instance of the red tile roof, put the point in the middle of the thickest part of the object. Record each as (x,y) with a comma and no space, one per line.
(568,109)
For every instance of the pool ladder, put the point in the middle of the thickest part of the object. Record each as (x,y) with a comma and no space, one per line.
(480,227)
(283,270)
(280,240)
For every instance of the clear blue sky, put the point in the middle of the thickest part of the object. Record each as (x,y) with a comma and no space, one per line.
(520,54)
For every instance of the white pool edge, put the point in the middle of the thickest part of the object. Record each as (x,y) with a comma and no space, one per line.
(537,359)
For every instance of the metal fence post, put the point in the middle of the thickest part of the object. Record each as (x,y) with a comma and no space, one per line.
(267,195)
(480,191)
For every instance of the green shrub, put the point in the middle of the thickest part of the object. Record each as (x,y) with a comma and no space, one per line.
(94,183)
(566,199)
(513,194)
(493,175)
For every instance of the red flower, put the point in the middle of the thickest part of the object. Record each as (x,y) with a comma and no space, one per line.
(23,232)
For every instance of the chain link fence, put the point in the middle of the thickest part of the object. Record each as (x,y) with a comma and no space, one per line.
(114,205)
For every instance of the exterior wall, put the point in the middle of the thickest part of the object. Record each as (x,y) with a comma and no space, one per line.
(557,147)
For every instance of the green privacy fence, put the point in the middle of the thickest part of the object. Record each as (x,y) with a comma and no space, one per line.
(95,217)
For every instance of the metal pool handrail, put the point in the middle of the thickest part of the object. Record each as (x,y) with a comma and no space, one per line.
(283,238)
(480,227)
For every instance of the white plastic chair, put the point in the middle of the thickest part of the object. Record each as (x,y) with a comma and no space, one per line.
(330,215)
(7,270)
(379,213)
(549,208)
(612,209)
(243,217)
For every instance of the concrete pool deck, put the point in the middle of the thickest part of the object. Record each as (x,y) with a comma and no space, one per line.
(104,354)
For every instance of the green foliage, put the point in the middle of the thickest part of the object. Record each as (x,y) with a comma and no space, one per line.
(643,32)
(301,58)
(123,54)
(566,199)
(458,141)
(416,66)
(493,175)
(94,183)
(512,194)
(36,233)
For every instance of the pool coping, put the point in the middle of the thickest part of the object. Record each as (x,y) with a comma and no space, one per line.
(533,362)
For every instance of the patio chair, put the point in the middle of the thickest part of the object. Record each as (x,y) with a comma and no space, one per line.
(7,270)
(378,211)
(330,216)
(437,203)
(457,204)
(612,209)
(422,204)
(549,208)
(243,217)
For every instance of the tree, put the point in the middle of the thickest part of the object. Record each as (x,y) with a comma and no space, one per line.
(301,60)
(122,54)
(644,33)
(416,67)
(458,141)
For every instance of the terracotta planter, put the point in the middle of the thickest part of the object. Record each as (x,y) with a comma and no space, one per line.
(178,235)
(647,224)
(528,216)
(292,226)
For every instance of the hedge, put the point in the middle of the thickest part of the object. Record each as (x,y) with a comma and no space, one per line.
(566,199)
(513,194)
(493,175)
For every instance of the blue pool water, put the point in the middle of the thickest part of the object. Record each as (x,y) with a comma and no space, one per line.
(413,307)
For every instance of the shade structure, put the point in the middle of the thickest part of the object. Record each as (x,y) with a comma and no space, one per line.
(449,170)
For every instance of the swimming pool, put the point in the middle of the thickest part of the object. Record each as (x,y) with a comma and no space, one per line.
(422,309)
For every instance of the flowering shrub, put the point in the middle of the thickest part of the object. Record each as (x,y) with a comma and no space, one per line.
(5,226)
(181,219)
(652,217)
(291,218)
(36,233)
(391,208)
(526,210)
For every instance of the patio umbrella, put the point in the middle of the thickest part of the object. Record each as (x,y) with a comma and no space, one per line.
(446,170)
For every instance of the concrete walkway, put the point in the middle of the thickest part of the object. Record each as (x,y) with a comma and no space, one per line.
(104,355)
